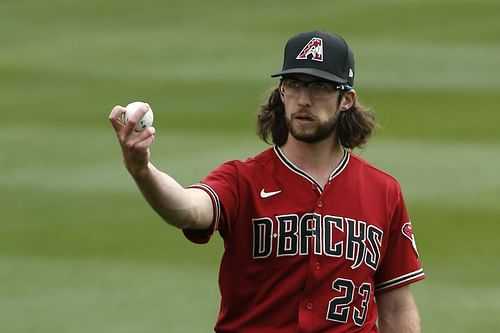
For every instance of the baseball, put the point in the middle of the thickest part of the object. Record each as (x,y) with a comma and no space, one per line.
(146,121)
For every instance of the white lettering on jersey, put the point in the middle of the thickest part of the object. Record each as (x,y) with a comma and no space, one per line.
(334,236)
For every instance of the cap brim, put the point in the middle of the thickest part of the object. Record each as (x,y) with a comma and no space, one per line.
(313,72)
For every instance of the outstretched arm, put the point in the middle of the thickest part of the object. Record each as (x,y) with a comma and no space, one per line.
(398,312)
(183,208)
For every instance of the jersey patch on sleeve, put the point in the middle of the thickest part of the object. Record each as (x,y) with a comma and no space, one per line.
(408,233)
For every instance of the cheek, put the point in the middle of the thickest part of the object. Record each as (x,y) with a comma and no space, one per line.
(329,110)
(289,105)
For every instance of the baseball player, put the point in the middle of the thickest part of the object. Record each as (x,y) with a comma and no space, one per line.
(316,239)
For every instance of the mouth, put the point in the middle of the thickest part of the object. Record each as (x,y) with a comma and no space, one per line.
(303,117)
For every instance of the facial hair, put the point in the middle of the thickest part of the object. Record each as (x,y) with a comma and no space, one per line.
(322,130)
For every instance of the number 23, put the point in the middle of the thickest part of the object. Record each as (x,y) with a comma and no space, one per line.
(340,307)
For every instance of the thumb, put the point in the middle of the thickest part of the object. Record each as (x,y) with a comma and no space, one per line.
(115,117)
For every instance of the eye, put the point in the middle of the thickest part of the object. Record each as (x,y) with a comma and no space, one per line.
(292,84)
(321,86)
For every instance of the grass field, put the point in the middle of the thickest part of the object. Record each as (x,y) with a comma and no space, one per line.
(80,251)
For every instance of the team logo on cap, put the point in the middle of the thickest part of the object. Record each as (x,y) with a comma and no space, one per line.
(408,233)
(314,47)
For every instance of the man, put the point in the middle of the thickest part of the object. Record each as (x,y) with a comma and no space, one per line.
(315,238)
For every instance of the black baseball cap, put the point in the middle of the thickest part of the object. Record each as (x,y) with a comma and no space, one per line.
(320,54)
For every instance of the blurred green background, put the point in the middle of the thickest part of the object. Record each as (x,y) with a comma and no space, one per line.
(80,250)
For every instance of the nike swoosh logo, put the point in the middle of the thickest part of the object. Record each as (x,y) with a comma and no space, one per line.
(264,194)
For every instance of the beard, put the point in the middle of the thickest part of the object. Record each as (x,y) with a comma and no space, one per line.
(312,133)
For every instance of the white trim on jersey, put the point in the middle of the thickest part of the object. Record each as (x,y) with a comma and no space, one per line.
(342,165)
(400,280)
(289,164)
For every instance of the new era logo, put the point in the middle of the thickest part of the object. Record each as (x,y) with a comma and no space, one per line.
(315,48)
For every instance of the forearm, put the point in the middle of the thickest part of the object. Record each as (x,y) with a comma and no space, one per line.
(403,321)
(180,207)
(398,312)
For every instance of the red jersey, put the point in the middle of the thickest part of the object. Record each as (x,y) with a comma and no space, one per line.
(302,258)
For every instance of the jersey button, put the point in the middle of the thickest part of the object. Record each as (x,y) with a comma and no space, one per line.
(314,187)
(320,204)
(318,265)
(309,306)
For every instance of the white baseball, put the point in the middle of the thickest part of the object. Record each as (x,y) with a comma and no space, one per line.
(146,121)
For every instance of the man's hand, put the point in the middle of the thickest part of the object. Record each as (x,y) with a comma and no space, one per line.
(135,145)
(183,208)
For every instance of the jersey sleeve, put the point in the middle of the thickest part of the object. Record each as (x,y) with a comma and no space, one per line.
(400,265)
(221,185)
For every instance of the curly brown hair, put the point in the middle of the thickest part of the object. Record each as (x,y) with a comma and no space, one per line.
(354,126)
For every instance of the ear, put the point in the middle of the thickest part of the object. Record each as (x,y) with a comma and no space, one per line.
(280,90)
(348,100)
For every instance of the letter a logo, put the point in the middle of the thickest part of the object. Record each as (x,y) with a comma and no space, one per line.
(314,47)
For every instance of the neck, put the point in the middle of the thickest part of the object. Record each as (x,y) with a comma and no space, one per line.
(316,159)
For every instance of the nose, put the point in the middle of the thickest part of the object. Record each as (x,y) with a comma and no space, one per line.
(304,97)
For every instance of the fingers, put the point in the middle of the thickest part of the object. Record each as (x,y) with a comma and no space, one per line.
(136,117)
(135,149)
(134,145)
(131,141)
(115,117)
(141,141)
(143,145)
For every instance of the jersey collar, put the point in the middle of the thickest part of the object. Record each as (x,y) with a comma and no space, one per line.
(289,164)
